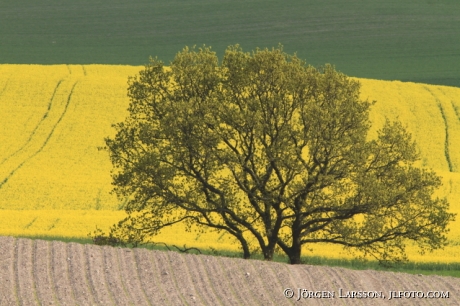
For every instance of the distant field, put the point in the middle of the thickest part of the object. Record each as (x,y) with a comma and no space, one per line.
(55,182)
(410,40)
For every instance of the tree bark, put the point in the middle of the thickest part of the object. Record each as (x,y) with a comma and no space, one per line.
(268,253)
(246,252)
(245,246)
(294,255)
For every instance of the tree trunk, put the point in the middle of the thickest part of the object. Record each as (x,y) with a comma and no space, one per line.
(244,246)
(246,252)
(269,250)
(268,253)
(295,251)
(294,256)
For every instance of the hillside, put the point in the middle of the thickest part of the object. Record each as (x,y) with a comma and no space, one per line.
(55,118)
(408,40)
(55,182)
(37,272)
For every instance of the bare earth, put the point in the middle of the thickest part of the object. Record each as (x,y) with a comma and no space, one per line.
(36,272)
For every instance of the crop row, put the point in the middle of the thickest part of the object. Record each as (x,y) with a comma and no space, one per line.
(37,272)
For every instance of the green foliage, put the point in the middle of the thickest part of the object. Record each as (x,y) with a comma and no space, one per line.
(273,152)
(98,237)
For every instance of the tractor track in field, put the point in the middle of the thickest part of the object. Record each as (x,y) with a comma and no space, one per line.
(446,128)
(455,108)
(446,142)
(48,137)
(37,272)
(4,87)
(31,135)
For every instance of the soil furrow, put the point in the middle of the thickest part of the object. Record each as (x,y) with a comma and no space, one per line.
(227,289)
(121,276)
(393,283)
(62,285)
(138,274)
(419,283)
(67,270)
(187,279)
(87,268)
(341,284)
(97,275)
(233,278)
(324,279)
(17,286)
(53,273)
(129,277)
(168,286)
(248,285)
(284,278)
(268,291)
(199,271)
(26,288)
(255,291)
(446,284)
(33,266)
(369,280)
(399,281)
(150,276)
(168,279)
(8,294)
(305,275)
(303,278)
(114,276)
(50,259)
(42,278)
(280,275)
(78,278)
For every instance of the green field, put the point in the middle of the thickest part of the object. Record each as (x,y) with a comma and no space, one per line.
(408,40)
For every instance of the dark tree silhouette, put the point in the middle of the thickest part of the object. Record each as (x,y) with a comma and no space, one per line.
(273,152)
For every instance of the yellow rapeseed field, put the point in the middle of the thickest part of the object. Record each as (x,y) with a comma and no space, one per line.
(55,182)
(54,118)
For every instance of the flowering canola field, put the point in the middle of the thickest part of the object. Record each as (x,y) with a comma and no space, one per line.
(55,182)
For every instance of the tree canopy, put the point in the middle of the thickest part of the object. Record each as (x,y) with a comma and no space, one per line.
(273,152)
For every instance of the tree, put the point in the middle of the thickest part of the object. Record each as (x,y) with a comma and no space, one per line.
(273,152)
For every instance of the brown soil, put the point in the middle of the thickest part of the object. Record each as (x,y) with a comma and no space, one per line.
(35,272)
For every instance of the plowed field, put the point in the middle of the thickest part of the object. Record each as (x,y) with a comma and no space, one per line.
(37,272)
